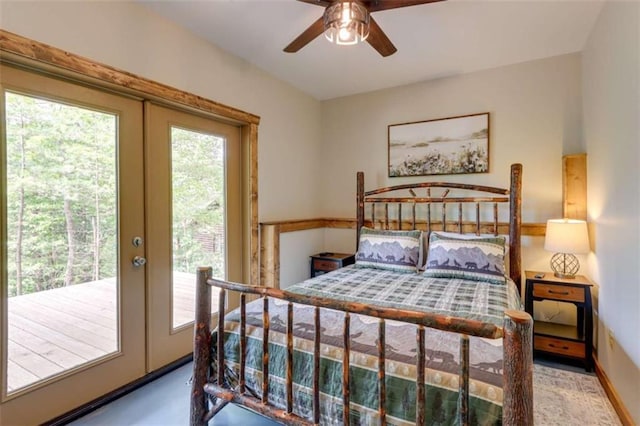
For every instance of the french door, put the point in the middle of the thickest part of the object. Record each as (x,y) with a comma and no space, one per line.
(72,324)
(108,206)
(194,218)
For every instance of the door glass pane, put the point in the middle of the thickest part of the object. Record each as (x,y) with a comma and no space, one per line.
(198,214)
(61,232)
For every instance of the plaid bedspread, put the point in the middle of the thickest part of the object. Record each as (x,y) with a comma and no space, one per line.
(378,287)
(456,297)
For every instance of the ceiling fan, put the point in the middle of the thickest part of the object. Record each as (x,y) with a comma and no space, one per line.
(350,22)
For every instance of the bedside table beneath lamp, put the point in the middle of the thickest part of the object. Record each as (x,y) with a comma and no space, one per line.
(573,342)
(322,263)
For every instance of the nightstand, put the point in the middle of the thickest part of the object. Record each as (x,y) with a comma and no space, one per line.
(573,342)
(322,263)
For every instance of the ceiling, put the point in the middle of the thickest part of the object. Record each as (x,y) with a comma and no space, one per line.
(433,40)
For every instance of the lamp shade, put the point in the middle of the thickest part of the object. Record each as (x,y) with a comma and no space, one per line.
(567,236)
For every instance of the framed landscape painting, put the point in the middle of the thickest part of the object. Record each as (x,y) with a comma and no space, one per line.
(455,145)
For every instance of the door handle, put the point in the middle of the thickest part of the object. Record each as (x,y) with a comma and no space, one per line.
(139,261)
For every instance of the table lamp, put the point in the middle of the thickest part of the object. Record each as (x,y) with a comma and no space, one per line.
(566,237)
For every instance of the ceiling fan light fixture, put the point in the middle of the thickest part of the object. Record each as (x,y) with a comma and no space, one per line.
(346,23)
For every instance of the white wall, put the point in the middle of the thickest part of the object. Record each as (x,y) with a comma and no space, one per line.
(535,118)
(295,249)
(128,36)
(611,70)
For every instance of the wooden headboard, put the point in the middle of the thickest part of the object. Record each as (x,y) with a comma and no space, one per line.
(452,207)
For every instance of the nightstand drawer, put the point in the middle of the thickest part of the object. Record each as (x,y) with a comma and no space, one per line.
(559,346)
(325,265)
(324,262)
(558,292)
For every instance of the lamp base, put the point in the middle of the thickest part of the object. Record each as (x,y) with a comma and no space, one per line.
(565,265)
(564,276)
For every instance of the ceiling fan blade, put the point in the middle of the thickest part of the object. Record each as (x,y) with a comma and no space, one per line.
(377,5)
(323,3)
(379,40)
(306,37)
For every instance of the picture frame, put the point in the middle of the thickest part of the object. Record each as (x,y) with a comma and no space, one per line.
(443,146)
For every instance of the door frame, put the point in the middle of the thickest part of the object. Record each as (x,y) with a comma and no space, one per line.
(166,342)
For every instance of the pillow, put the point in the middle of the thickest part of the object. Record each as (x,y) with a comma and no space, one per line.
(425,245)
(472,237)
(467,257)
(387,249)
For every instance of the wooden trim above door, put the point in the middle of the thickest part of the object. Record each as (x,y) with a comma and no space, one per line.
(14,47)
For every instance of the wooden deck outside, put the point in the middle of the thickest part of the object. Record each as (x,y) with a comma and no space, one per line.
(55,330)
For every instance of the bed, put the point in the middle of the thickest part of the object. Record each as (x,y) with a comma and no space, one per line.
(426,327)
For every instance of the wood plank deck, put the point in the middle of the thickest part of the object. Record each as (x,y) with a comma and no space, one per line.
(55,330)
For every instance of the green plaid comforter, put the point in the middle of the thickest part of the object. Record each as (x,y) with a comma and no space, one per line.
(453,297)
(456,297)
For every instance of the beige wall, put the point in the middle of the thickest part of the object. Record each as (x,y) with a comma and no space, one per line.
(611,72)
(536,110)
(535,118)
(129,37)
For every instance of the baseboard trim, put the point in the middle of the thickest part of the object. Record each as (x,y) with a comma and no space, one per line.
(621,410)
(113,395)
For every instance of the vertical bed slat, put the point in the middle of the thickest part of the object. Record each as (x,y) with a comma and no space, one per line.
(477,218)
(243,341)
(345,369)
(265,351)
(495,218)
(413,210)
(373,215)
(420,365)
(386,216)
(400,216)
(463,394)
(289,378)
(429,210)
(459,218)
(382,386)
(444,210)
(413,216)
(221,299)
(444,217)
(316,368)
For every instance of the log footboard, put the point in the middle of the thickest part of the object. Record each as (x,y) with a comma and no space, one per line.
(209,396)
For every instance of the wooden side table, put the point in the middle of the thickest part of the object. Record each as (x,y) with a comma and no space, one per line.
(322,263)
(574,342)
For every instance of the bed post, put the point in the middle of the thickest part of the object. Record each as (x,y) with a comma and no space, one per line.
(202,347)
(517,404)
(360,204)
(515,222)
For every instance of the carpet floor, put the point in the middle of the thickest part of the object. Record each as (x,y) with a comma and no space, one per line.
(561,397)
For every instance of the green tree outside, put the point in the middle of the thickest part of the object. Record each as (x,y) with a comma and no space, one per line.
(61,201)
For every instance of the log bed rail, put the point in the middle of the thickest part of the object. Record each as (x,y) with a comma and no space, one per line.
(516,334)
